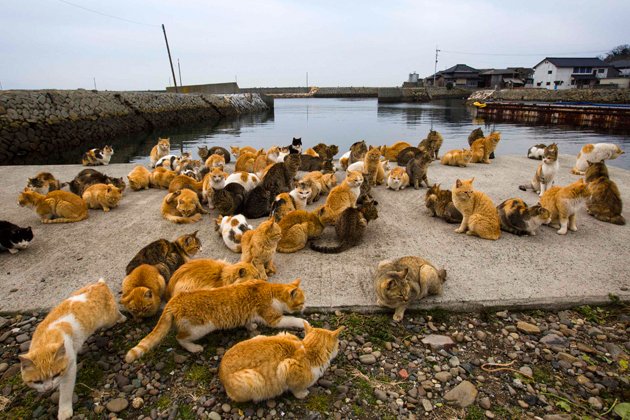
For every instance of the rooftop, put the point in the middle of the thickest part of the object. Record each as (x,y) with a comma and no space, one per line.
(576,62)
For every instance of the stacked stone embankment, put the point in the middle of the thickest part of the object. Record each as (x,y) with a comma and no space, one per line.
(345,92)
(47,121)
(603,96)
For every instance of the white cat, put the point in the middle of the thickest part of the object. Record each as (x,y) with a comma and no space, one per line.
(170,162)
(536,152)
(595,153)
(232,229)
(397,179)
(247,180)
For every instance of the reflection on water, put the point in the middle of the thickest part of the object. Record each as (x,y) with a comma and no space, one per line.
(345,121)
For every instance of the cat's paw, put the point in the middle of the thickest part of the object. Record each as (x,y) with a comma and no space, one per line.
(398,317)
(106,209)
(193,348)
(532,233)
(301,394)
(460,230)
(64,414)
(573,228)
(121,319)
(13,250)
(562,232)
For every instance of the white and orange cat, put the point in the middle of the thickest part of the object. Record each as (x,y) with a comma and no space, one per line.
(214,180)
(564,203)
(397,179)
(160,150)
(480,217)
(346,194)
(320,184)
(595,153)
(51,361)
(265,367)
(249,181)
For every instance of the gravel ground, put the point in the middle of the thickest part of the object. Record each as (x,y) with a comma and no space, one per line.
(571,364)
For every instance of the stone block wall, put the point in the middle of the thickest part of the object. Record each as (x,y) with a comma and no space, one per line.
(604,96)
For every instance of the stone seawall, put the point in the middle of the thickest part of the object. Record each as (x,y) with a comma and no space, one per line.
(604,96)
(453,93)
(345,92)
(48,121)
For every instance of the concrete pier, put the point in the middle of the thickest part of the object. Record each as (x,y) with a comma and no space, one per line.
(544,271)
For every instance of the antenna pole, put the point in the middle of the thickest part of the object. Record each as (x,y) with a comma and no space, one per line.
(436,61)
(170,59)
(180,73)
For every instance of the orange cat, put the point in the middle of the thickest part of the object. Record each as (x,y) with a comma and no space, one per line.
(161,178)
(371,165)
(311,152)
(480,217)
(103,196)
(563,204)
(199,312)
(397,179)
(482,148)
(320,184)
(181,182)
(51,361)
(391,152)
(259,246)
(346,194)
(265,367)
(299,226)
(182,207)
(160,150)
(214,180)
(457,157)
(139,178)
(209,274)
(238,151)
(246,161)
(55,207)
(215,161)
(142,291)
(263,161)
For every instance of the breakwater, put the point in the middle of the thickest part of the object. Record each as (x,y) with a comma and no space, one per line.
(420,94)
(603,96)
(45,122)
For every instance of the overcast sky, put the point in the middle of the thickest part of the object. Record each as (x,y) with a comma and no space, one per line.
(51,44)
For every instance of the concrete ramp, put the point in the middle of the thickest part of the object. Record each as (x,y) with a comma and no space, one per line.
(547,270)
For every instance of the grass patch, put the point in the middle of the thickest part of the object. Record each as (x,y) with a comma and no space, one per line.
(375,326)
(199,373)
(186,412)
(475,413)
(90,375)
(164,402)
(591,314)
(541,375)
(320,402)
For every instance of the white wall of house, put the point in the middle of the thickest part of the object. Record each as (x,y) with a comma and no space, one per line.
(546,74)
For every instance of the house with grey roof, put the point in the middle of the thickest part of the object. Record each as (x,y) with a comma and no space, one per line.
(571,73)
(460,75)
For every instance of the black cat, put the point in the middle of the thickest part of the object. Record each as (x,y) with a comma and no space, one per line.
(13,238)
(257,203)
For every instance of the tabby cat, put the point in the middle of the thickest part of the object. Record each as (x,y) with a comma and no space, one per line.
(433,142)
(546,172)
(310,163)
(257,203)
(160,150)
(476,134)
(55,207)
(400,282)
(139,178)
(199,312)
(259,246)
(97,156)
(440,203)
(605,203)
(408,154)
(204,152)
(563,204)
(346,194)
(371,166)
(182,207)
(482,148)
(320,184)
(457,157)
(265,367)
(232,229)
(480,217)
(280,177)
(519,219)
(142,292)
(299,226)
(44,183)
(88,177)
(417,170)
(13,238)
(350,227)
(229,200)
(327,152)
(161,178)
(167,256)
(397,179)
(595,153)
(357,152)
(102,196)
(51,361)
(391,152)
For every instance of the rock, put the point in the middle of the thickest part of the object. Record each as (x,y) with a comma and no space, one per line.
(137,403)
(615,351)
(438,342)
(485,403)
(595,403)
(557,417)
(527,328)
(22,338)
(39,411)
(454,361)
(463,394)
(526,370)
(226,408)
(216,416)
(403,374)
(582,380)
(380,395)
(25,346)
(567,357)
(481,336)
(367,359)
(179,359)
(117,405)
(443,376)
(489,414)
(3,367)
(324,383)
(523,404)
(554,340)
(121,380)
(586,349)
(426,404)
(594,331)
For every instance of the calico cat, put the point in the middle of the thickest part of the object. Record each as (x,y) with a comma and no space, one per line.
(51,361)
(55,207)
(605,203)
(204,152)
(182,207)
(247,180)
(199,312)
(479,216)
(209,274)
(400,282)
(296,146)
(519,219)
(259,247)
(44,183)
(281,176)
(457,157)
(167,256)
(482,148)
(346,194)
(257,203)
(407,154)
(310,163)
(595,153)
(215,161)
(229,200)
(238,151)
(97,156)
(160,150)
(265,160)
(343,161)
(433,142)
(350,227)
(89,177)
(357,152)
(563,204)
(417,170)
(13,238)
(299,226)
(326,152)
(536,152)
(391,152)
(161,178)
(214,180)
(440,203)
(546,172)
(232,229)
(142,292)
(139,178)
(102,196)
(265,367)
(397,179)
(170,162)
(320,184)
(295,200)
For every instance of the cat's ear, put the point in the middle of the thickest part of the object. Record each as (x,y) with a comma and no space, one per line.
(218,224)
(375,203)
(148,294)
(601,161)
(242,272)
(371,147)
(458,183)
(389,285)
(61,352)
(25,361)
(404,272)
(124,300)
(296,283)
(472,179)
(250,259)
(307,327)
(337,331)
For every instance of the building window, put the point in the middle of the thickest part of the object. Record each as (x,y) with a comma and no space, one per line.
(548,83)
(600,71)
(572,81)
(539,84)
(550,71)
(576,69)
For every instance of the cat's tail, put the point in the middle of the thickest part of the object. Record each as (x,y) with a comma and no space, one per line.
(153,339)
(329,249)
(275,206)
(526,187)
(66,219)
(442,274)
(617,220)
(575,171)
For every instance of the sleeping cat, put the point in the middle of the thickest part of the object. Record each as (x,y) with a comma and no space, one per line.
(55,207)
(519,219)
(482,148)
(346,194)
(102,196)
(595,153)
(350,228)
(536,152)
(400,282)
(327,152)
(181,182)
(546,172)
(440,203)
(139,178)
(167,256)
(605,203)
(310,163)
(88,177)
(391,152)
(563,204)
(296,146)
(480,217)
(457,157)
(142,292)
(51,361)
(238,151)
(44,183)
(320,184)
(259,246)
(232,229)
(248,180)
(160,150)
(229,200)
(299,226)
(417,170)
(199,312)
(397,179)
(161,178)
(97,156)
(182,206)
(265,367)
(13,238)
(280,177)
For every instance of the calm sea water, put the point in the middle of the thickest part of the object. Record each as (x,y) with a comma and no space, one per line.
(345,121)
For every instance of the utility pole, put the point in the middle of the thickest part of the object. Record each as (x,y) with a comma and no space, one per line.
(95,84)
(170,59)
(180,73)
(435,68)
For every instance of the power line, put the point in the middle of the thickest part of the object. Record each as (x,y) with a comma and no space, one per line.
(105,14)
(525,55)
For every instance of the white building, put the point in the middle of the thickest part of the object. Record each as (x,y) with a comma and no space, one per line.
(570,73)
